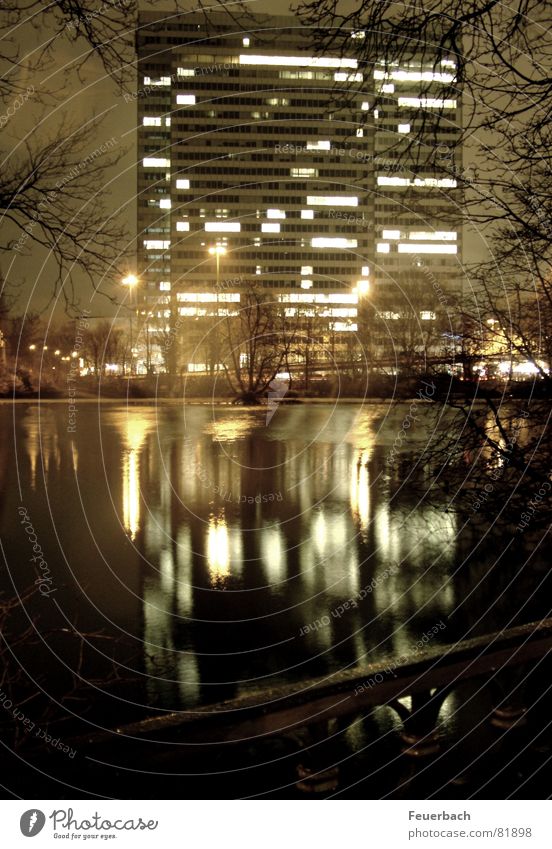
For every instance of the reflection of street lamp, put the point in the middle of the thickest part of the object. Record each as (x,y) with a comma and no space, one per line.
(362,290)
(217,251)
(132,282)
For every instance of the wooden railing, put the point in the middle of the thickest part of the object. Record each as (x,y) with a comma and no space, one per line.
(311,705)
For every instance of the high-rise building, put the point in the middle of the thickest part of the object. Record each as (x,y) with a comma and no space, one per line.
(261,161)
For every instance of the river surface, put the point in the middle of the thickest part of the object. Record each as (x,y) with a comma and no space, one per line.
(209,551)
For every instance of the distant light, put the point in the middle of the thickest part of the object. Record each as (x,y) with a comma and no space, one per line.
(363,287)
(246,42)
(130,280)
(32,347)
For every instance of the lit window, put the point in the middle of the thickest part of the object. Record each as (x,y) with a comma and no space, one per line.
(388,88)
(275,213)
(156,244)
(359,133)
(185,72)
(182,184)
(438,235)
(258,269)
(342,312)
(298,61)
(343,327)
(358,34)
(419,182)
(393,181)
(167,122)
(306,284)
(155,162)
(162,81)
(414,76)
(435,183)
(151,122)
(277,101)
(165,203)
(306,269)
(376,114)
(185,99)
(324,242)
(427,103)
(427,315)
(365,271)
(404,128)
(246,42)
(341,77)
(197,297)
(319,145)
(222,227)
(307,213)
(270,228)
(382,248)
(165,286)
(419,248)
(332,200)
(391,234)
(182,226)
(304,172)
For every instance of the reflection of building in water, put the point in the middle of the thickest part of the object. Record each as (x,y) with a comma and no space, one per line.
(273,554)
(135,430)
(172,673)
(360,488)
(41,441)
(223,549)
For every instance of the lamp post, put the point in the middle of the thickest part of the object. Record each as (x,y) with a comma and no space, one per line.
(362,290)
(131,281)
(217,251)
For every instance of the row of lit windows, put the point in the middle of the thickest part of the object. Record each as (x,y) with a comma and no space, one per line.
(417,248)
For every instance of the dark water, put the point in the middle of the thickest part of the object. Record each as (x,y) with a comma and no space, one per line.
(223,553)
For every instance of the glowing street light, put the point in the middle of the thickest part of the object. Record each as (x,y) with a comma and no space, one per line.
(217,251)
(131,281)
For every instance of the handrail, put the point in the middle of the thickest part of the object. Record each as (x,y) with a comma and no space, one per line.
(280,709)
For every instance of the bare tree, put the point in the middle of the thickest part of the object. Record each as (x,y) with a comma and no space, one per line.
(105,344)
(52,191)
(255,345)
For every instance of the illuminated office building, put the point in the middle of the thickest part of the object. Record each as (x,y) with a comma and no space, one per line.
(254,167)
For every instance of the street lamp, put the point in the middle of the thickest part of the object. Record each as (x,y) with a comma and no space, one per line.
(131,281)
(217,251)
(362,290)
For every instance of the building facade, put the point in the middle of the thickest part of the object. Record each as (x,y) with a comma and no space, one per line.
(263,164)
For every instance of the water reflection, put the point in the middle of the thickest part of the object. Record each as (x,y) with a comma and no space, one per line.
(248,540)
(218,549)
(134,430)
